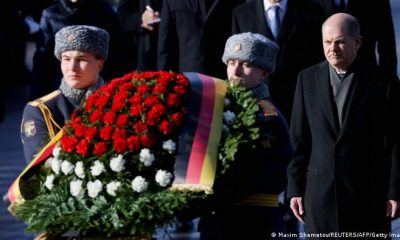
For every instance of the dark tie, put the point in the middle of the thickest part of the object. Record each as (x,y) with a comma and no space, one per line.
(276,21)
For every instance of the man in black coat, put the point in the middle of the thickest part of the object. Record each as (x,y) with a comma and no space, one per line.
(344,174)
(192,35)
(298,38)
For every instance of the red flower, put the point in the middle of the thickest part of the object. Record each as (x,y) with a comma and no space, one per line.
(133,143)
(120,145)
(95,116)
(135,99)
(105,132)
(79,129)
(147,140)
(109,117)
(90,132)
(173,100)
(100,148)
(139,127)
(136,110)
(166,127)
(82,147)
(180,89)
(122,120)
(150,101)
(142,89)
(68,143)
(177,118)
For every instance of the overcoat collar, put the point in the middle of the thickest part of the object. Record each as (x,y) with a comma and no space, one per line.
(355,100)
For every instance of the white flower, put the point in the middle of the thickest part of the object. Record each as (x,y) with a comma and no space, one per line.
(49,182)
(75,187)
(67,167)
(79,170)
(47,163)
(169,145)
(163,178)
(97,168)
(117,163)
(146,157)
(229,117)
(227,102)
(225,128)
(139,184)
(55,165)
(112,187)
(56,151)
(94,188)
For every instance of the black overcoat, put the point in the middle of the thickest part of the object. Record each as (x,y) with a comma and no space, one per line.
(345,175)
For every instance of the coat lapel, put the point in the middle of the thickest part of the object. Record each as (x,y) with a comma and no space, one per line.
(259,17)
(356,104)
(325,93)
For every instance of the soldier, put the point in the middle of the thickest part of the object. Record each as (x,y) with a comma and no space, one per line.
(245,201)
(82,51)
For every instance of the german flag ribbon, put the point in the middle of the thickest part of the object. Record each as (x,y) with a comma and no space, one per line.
(196,160)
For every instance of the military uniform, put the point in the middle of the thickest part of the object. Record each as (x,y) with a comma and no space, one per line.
(42,118)
(245,200)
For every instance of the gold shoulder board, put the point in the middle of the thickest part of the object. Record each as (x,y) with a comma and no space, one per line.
(268,108)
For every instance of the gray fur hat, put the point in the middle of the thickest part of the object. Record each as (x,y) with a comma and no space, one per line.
(83,38)
(253,48)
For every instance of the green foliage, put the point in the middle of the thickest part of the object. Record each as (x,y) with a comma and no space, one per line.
(242,133)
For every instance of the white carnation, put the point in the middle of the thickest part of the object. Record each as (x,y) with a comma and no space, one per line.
(75,187)
(67,167)
(112,187)
(169,145)
(97,168)
(227,102)
(117,163)
(163,178)
(146,157)
(79,170)
(56,151)
(55,165)
(94,188)
(139,184)
(49,182)
(229,117)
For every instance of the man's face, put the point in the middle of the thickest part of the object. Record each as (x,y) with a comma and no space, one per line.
(339,47)
(244,73)
(80,69)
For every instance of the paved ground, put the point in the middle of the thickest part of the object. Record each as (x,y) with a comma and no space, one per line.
(11,157)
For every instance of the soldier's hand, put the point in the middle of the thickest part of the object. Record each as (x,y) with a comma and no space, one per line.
(296,204)
(393,209)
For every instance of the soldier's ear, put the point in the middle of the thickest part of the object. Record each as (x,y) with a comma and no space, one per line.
(100,64)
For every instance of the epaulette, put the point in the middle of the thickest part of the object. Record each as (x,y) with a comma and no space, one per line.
(51,124)
(268,108)
(45,98)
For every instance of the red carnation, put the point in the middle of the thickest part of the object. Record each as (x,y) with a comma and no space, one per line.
(173,99)
(120,145)
(136,110)
(95,116)
(68,143)
(109,117)
(177,118)
(166,127)
(150,101)
(180,89)
(142,89)
(90,132)
(135,99)
(147,140)
(133,143)
(139,127)
(100,148)
(79,129)
(105,133)
(82,147)
(122,120)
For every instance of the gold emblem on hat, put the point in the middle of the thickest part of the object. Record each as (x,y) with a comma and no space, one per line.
(237,47)
(70,37)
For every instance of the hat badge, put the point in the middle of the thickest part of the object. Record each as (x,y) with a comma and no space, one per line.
(70,37)
(237,47)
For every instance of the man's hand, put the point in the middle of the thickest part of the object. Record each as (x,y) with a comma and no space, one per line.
(149,17)
(296,204)
(393,209)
